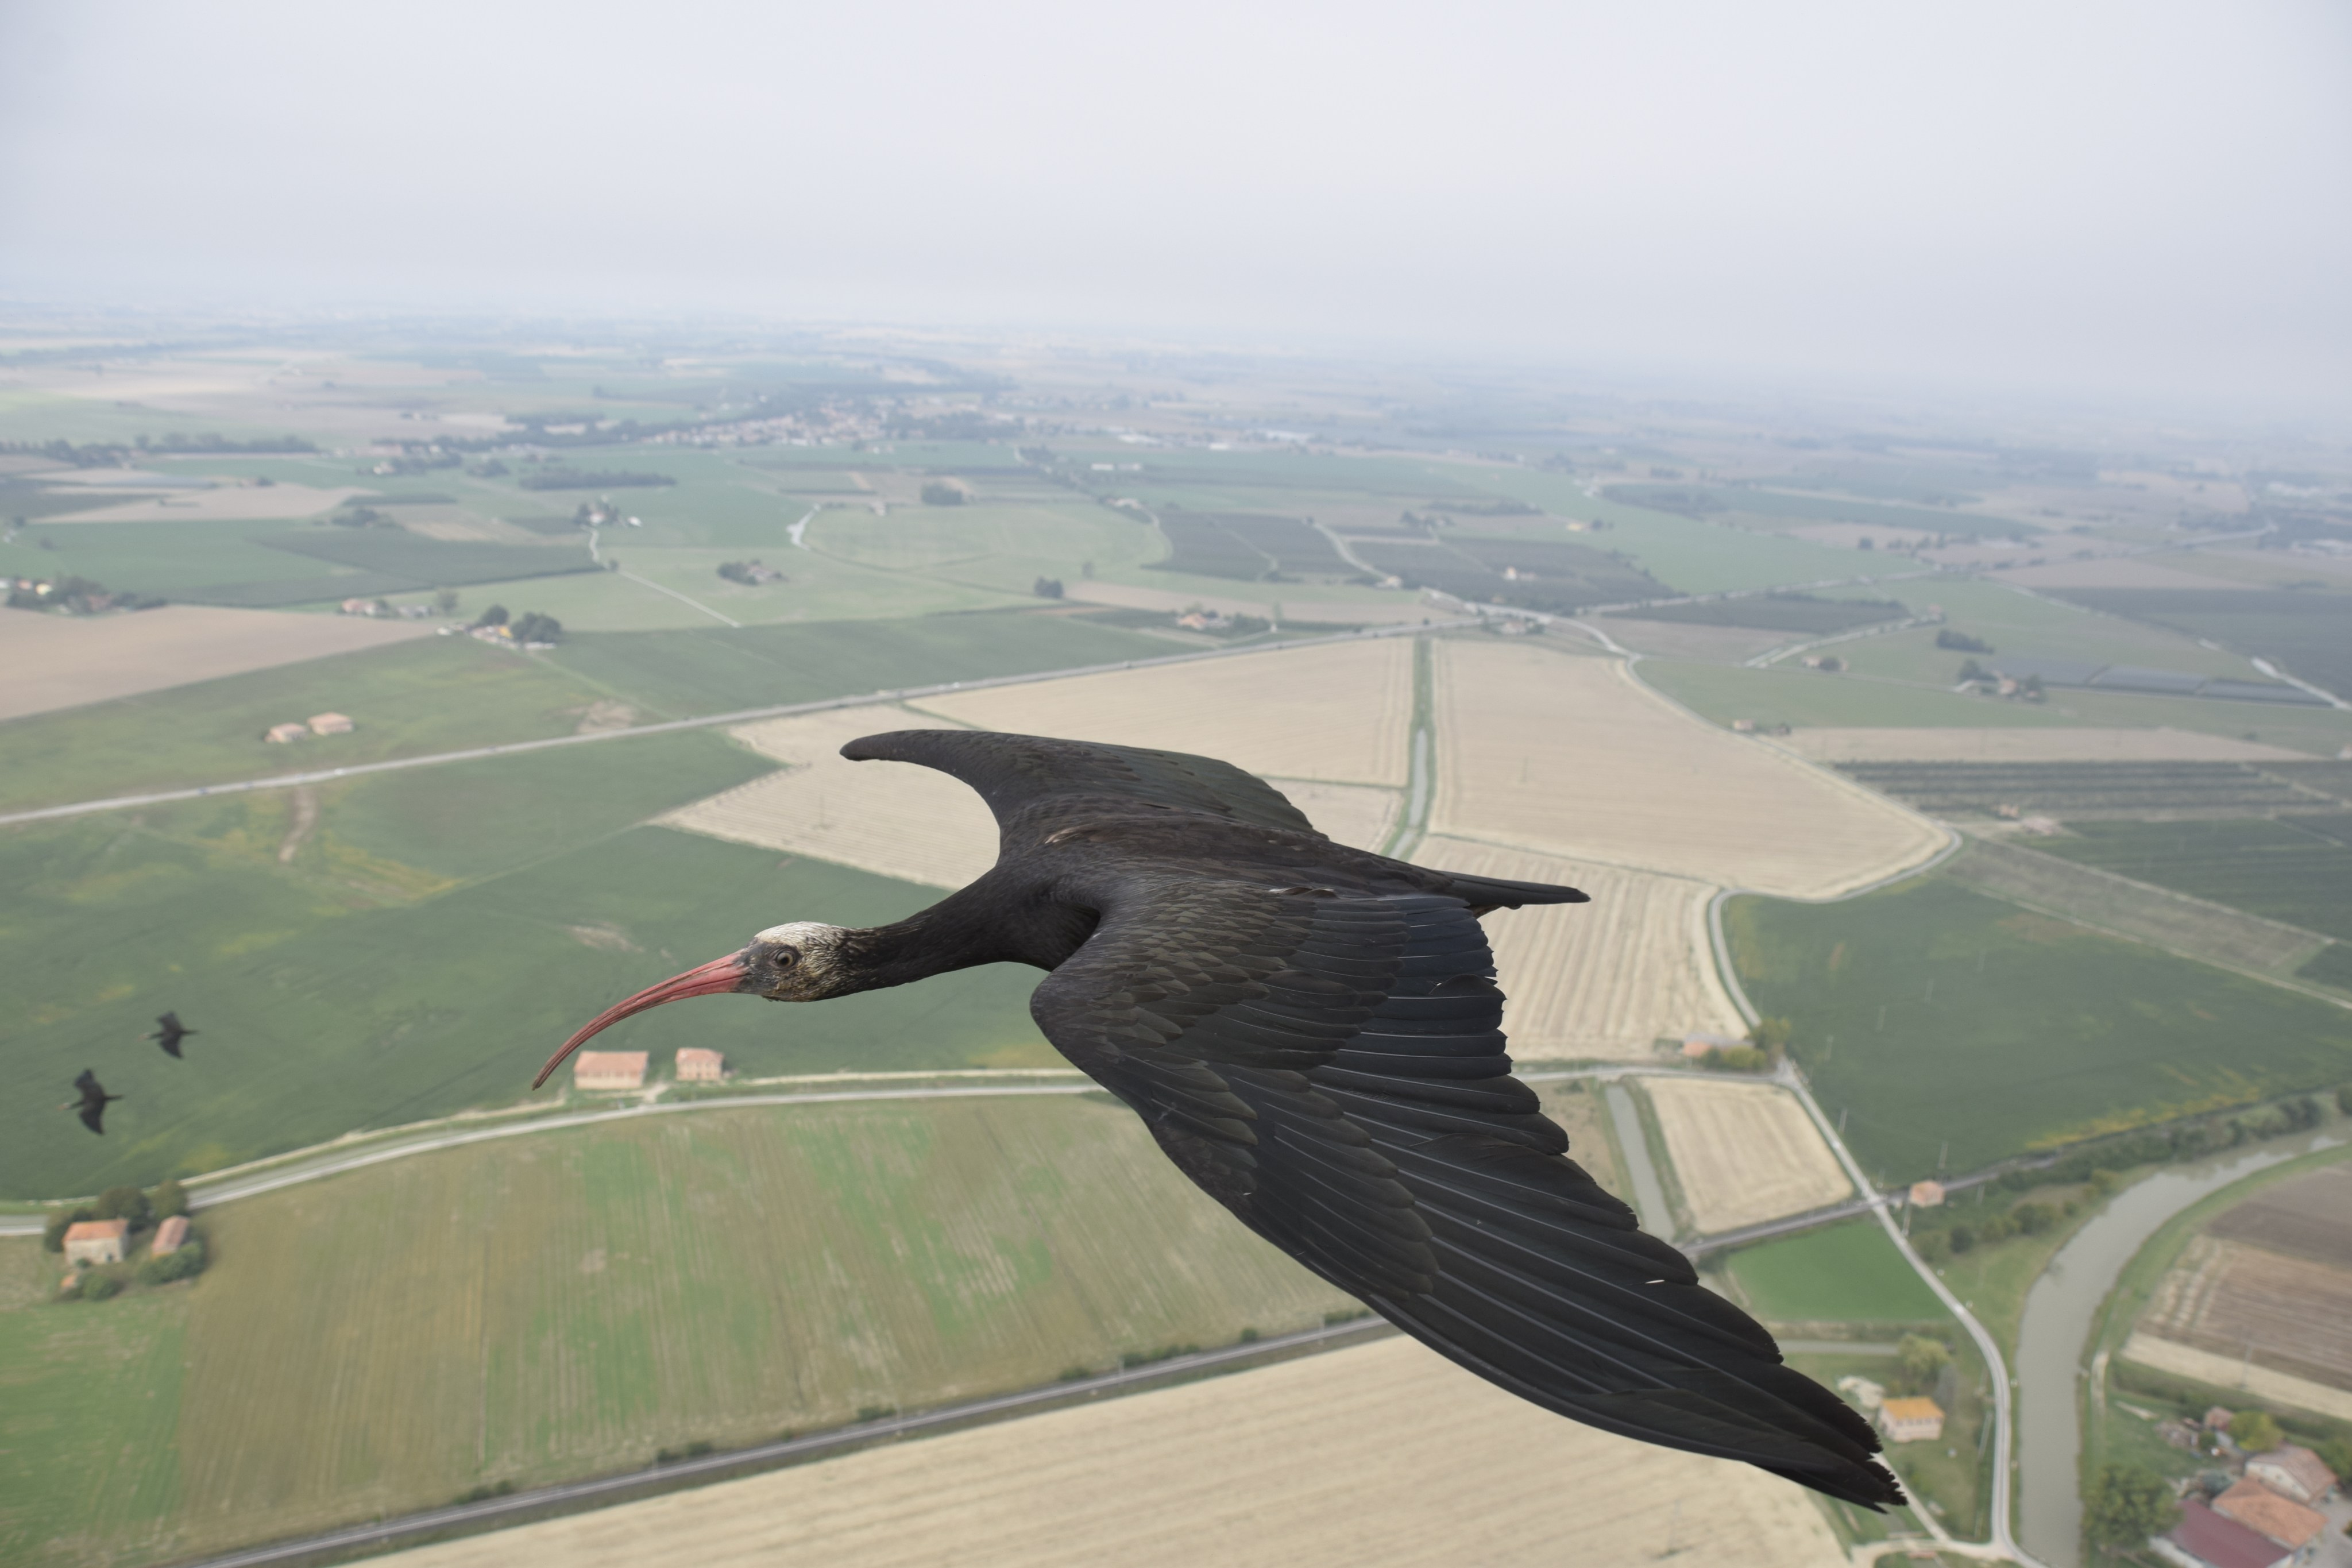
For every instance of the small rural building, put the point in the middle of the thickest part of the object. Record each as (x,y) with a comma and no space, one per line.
(1698,1043)
(283,734)
(609,1070)
(2293,1473)
(170,1235)
(1914,1420)
(1927,1194)
(331,724)
(2203,1539)
(2218,1419)
(2266,1513)
(696,1065)
(97,1240)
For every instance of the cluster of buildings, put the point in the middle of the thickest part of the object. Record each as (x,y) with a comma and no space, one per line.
(316,724)
(606,1070)
(380,609)
(91,1242)
(2266,1517)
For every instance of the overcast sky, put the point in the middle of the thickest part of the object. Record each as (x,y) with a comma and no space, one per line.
(2140,196)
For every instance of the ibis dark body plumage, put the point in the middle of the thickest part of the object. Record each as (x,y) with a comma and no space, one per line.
(169,1033)
(1312,1033)
(94,1100)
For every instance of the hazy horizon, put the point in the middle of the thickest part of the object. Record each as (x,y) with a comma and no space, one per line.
(2097,202)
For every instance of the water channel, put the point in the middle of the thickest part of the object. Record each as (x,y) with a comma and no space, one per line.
(1649,1192)
(2054,1336)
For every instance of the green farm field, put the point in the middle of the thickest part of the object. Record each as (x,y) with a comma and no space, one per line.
(1807,699)
(2292,868)
(432,936)
(1925,1013)
(438,694)
(1842,1273)
(567,1303)
(712,669)
(2025,623)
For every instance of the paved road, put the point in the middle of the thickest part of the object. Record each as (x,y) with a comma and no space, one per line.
(283,781)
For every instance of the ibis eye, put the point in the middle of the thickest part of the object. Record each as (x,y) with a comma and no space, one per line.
(786,957)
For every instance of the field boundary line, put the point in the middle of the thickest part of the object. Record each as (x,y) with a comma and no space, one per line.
(704,722)
(680,1474)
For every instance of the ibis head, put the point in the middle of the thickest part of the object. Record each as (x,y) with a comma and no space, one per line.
(800,960)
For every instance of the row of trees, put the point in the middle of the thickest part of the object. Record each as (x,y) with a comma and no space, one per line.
(528,626)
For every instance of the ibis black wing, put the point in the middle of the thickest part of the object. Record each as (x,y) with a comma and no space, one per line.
(1014,773)
(94,1116)
(170,1032)
(88,1084)
(1332,1069)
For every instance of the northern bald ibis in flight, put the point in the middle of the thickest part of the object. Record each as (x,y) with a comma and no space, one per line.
(1313,1034)
(94,1101)
(170,1032)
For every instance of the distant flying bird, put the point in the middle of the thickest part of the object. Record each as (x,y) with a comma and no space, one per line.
(1313,1034)
(170,1032)
(94,1101)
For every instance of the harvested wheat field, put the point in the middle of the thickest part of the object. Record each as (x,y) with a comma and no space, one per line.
(1378,1454)
(2235,1372)
(1744,1152)
(1574,757)
(891,819)
(1340,712)
(2024,744)
(1599,980)
(64,662)
(1346,814)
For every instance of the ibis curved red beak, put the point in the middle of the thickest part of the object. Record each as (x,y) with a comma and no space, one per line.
(714,978)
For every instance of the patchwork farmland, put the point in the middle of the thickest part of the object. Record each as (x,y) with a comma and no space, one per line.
(1270,1466)
(1744,1153)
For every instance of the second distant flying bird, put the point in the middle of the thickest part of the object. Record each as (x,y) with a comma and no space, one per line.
(93,1103)
(170,1032)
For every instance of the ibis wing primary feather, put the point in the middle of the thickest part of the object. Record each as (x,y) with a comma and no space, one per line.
(1332,1069)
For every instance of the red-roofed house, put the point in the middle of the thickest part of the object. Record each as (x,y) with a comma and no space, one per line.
(170,1234)
(2293,1471)
(97,1240)
(2283,1519)
(1914,1420)
(609,1070)
(2203,1539)
(696,1065)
